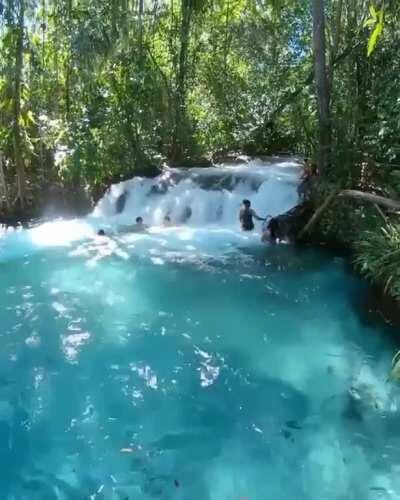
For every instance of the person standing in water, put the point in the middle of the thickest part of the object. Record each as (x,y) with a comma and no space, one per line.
(167,221)
(270,230)
(139,226)
(246,215)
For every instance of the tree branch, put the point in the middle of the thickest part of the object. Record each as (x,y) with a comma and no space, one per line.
(317,215)
(354,194)
(371,198)
(289,96)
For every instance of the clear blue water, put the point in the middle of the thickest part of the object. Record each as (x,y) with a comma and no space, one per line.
(252,377)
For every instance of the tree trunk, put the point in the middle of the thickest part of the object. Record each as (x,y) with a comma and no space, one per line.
(322,85)
(18,158)
(334,45)
(317,215)
(180,98)
(67,95)
(388,203)
(141,8)
(227,35)
(3,187)
(68,64)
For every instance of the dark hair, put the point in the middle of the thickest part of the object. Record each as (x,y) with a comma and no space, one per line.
(101,232)
(246,203)
(139,220)
(168,218)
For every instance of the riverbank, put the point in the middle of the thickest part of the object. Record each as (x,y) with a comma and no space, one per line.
(369,235)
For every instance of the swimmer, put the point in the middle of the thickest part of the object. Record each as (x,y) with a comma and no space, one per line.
(266,233)
(246,215)
(270,230)
(101,238)
(138,227)
(167,221)
(187,213)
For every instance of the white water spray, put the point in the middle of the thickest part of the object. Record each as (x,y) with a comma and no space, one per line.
(206,196)
(203,204)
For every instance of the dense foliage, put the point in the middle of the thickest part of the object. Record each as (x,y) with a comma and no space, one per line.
(379,257)
(93,89)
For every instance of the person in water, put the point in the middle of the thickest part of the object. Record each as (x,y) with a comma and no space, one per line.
(167,221)
(139,226)
(270,230)
(101,232)
(246,215)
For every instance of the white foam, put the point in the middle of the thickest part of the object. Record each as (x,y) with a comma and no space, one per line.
(203,204)
(210,195)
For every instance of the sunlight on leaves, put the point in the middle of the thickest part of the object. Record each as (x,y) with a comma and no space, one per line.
(395,371)
(375,20)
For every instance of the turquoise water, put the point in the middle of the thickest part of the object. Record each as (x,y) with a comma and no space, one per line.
(253,376)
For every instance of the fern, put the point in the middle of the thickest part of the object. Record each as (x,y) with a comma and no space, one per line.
(378,257)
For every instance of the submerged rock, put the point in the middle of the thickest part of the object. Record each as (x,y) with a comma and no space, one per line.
(287,225)
(121,202)
(286,434)
(293,424)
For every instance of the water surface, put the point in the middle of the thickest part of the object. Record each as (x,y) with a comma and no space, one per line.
(149,375)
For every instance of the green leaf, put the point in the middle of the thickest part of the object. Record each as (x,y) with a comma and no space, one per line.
(369,22)
(395,372)
(373,12)
(30,117)
(373,39)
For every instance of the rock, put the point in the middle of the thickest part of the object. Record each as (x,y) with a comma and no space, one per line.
(293,424)
(231,158)
(120,203)
(191,163)
(287,226)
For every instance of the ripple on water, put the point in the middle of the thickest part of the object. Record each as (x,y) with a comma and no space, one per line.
(249,376)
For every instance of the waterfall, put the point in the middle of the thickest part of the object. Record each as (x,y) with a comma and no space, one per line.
(205,196)
(203,204)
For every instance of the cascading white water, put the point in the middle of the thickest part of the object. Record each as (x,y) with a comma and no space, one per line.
(203,205)
(204,196)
